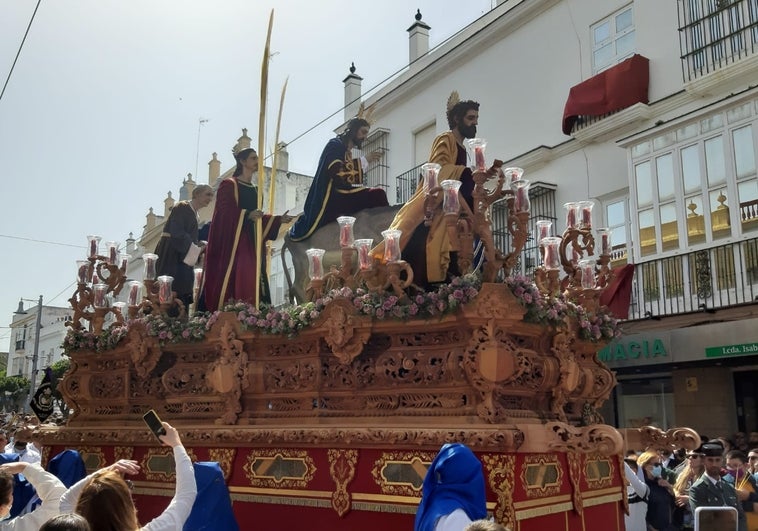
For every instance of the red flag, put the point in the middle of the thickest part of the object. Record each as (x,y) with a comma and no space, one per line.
(618,294)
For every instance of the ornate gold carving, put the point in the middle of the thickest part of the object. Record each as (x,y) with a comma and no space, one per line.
(599,471)
(186,380)
(482,438)
(500,474)
(652,437)
(108,386)
(158,463)
(541,475)
(45,456)
(224,457)
(598,438)
(624,499)
(345,336)
(144,351)
(342,469)
(281,468)
(228,375)
(575,470)
(401,473)
(122,452)
(93,457)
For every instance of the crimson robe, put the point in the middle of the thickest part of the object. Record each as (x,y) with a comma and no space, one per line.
(231,263)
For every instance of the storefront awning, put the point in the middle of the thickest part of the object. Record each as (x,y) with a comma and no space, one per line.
(611,90)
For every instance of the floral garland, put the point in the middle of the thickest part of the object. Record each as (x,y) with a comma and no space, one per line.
(599,326)
(86,340)
(291,319)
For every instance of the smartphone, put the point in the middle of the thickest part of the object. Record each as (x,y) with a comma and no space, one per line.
(154,423)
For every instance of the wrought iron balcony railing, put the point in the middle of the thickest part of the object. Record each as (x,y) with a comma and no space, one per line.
(406,184)
(703,280)
(716,33)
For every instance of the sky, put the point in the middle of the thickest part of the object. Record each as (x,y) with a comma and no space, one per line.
(102,113)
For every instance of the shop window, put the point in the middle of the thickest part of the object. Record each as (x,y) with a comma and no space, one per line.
(646,402)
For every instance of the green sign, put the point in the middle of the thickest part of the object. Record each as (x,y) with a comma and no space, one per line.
(635,351)
(732,350)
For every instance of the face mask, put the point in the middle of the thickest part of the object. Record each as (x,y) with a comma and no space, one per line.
(657,470)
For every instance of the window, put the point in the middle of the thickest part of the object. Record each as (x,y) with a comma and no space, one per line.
(715,33)
(613,39)
(646,403)
(422,142)
(698,184)
(616,219)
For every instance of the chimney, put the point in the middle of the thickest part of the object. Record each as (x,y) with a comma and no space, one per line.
(150,220)
(214,169)
(130,244)
(282,157)
(352,93)
(243,142)
(419,39)
(185,192)
(168,204)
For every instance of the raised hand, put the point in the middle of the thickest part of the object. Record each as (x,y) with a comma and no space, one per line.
(374,156)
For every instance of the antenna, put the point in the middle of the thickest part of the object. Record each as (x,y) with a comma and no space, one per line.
(200,122)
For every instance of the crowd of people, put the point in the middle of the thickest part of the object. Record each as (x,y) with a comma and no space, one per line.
(666,488)
(101,501)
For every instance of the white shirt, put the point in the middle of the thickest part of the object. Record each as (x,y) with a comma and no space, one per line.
(27,455)
(635,520)
(455,521)
(177,512)
(49,489)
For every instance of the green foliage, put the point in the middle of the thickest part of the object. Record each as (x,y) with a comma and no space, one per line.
(13,389)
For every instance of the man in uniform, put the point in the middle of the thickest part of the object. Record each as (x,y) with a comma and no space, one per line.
(712,491)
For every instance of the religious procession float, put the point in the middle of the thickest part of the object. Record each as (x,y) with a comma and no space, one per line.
(329,412)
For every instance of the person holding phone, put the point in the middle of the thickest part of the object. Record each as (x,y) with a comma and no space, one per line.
(105,501)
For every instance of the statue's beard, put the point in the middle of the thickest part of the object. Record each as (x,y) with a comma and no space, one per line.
(467,131)
(357,142)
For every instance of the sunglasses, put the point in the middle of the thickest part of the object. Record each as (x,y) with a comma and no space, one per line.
(752,457)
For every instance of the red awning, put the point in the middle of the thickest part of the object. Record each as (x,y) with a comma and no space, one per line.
(611,90)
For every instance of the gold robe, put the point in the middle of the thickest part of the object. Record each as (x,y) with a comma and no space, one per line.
(411,215)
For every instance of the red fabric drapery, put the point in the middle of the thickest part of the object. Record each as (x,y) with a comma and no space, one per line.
(618,294)
(617,88)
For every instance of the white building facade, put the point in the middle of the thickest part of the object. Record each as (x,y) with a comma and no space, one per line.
(672,170)
(24,337)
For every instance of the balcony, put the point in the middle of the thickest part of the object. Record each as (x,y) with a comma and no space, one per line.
(608,103)
(407,182)
(703,280)
(718,40)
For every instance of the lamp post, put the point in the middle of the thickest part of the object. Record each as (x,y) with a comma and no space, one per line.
(35,355)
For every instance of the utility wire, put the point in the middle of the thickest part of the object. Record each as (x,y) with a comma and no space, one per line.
(41,241)
(19,49)
(370,90)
